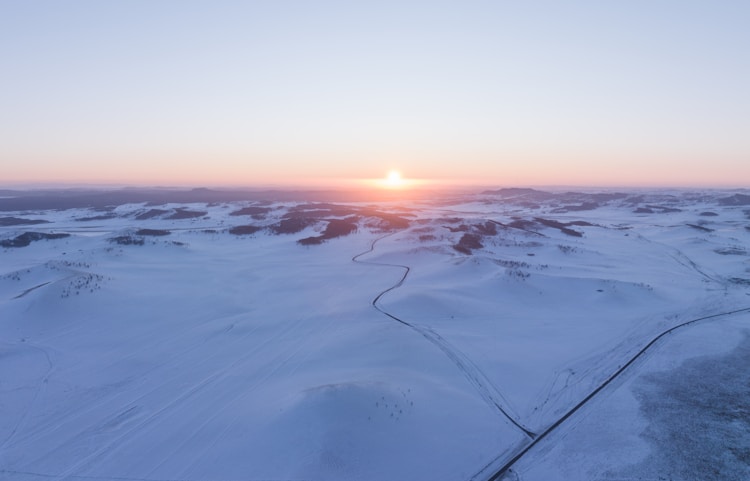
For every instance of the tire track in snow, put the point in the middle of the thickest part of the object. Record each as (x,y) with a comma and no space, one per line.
(306,339)
(237,392)
(682,259)
(471,372)
(214,377)
(41,386)
(131,398)
(30,289)
(500,473)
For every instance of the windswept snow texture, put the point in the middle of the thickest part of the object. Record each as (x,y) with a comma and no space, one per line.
(276,339)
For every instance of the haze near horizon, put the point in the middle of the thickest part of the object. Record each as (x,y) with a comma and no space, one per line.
(321,93)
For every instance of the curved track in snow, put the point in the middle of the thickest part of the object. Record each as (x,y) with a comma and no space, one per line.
(473,374)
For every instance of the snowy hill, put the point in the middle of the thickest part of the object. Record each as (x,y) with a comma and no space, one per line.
(491,335)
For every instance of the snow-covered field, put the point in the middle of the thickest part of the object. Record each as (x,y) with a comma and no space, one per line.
(435,339)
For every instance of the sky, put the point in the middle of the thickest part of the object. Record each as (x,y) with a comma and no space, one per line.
(159,92)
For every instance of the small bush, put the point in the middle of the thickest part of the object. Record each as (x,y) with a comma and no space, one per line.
(128,240)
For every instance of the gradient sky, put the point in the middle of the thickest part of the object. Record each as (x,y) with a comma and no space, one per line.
(609,93)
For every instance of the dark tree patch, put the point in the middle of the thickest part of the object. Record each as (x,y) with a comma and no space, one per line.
(736,199)
(335,228)
(27,238)
(95,218)
(128,240)
(12,221)
(291,226)
(461,228)
(467,243)
(180,214)
(663,209)
(151,213)
(559,226)
(576,208)
(253,210)
(388,221)
(486,229)
(152,232)
(340,228)
(244,229)
(522,224)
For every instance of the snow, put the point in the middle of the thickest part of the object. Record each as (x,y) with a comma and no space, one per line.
(675,417)
(206,355)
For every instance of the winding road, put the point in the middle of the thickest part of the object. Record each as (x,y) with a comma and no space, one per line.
(506,467)
(471,372)
(490,394)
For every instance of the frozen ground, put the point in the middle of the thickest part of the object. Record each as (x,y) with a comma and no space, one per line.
(439,339)
(682,414)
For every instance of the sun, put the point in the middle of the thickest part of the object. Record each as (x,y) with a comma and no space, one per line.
(394,179)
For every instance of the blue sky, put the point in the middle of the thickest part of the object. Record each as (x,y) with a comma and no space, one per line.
(607,93)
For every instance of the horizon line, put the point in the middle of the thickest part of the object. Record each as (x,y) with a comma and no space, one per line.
(353,185)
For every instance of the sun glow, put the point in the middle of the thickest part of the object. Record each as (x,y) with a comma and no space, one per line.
(394,180)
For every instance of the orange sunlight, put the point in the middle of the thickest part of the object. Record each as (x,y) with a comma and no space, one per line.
(395,181)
